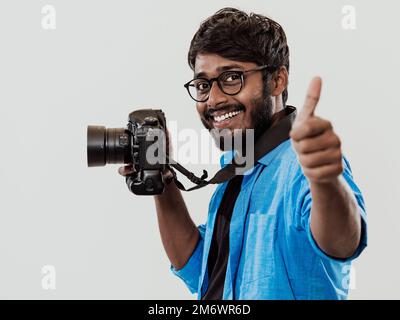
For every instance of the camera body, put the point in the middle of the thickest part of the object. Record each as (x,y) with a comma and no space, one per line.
(142,143)
(145,127)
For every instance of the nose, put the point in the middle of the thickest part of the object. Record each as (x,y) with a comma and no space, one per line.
(216,96)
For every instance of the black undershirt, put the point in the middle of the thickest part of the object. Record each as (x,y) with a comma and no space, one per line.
(219,251)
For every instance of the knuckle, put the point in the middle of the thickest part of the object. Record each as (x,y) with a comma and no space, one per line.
(328,124)
(338,154)
(312,98)
(307,161)
(300,146)
(338,142)
(294,133)
(324,125)
(305,147)
(304,161)
(334,140)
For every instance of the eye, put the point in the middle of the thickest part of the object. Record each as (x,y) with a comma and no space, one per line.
(201,85)
(231,77)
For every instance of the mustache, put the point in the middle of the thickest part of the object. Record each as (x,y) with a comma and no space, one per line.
(209,112)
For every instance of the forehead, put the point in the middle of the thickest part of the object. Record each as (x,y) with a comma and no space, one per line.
(210,64)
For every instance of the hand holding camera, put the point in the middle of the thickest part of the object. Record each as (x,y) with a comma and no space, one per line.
(167,174)
(141,145)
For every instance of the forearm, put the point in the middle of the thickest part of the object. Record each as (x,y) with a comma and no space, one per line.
(179,234)
(335,218)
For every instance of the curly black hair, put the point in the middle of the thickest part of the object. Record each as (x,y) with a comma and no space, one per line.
(236,35)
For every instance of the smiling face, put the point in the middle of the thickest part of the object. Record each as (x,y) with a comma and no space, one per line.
(251,108)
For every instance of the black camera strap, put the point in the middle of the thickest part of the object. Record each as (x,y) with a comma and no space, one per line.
(268,141)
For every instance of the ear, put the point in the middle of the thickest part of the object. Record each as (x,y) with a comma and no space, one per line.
(279,81)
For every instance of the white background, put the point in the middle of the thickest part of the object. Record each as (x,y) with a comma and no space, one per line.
(107,58)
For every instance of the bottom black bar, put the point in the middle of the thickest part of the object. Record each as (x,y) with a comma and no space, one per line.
(185,309)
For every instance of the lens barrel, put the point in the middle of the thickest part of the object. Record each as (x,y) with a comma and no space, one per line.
(107,146)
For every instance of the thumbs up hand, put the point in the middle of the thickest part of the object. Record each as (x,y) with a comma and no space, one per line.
(316,144)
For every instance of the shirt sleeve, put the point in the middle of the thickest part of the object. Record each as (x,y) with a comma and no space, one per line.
(305,203)
(190,272)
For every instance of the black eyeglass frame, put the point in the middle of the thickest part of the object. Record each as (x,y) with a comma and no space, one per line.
(217,79)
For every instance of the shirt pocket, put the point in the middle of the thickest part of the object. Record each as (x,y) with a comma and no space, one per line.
(259,248)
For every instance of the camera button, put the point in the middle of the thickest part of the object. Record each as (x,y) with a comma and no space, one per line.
(149,184)
(151,120)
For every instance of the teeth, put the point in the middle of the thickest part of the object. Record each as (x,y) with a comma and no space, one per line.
(226,116)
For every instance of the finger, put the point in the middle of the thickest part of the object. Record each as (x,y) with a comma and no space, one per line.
(126,170)
(324,141)
(312,98)
(321,158)
(167,173)
(324,173)
(310,128)
(167,176)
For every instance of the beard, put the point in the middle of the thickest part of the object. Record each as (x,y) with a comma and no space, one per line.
(260,118)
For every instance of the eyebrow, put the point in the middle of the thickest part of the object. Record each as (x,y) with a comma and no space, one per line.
(219,70)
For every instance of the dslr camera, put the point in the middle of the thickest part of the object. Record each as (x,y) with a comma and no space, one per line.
(142,143)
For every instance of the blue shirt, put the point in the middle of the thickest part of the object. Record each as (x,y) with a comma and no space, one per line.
(272,253)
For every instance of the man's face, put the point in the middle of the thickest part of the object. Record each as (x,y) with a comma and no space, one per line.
(253,108)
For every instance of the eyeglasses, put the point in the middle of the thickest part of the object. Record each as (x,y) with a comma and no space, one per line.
(230,82)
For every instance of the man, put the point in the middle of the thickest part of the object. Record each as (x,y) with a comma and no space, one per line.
(290,228)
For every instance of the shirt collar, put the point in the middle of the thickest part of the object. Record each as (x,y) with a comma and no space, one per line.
(267,159)
(227,156)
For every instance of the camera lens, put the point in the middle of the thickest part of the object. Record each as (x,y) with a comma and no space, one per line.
(107,146)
